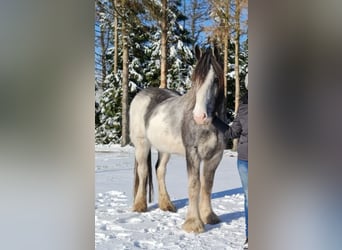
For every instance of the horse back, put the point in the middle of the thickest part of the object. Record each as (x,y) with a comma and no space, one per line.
(156,115)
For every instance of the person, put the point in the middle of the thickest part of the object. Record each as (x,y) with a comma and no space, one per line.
(239,129)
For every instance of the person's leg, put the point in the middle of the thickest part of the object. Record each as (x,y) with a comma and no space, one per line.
(243,171)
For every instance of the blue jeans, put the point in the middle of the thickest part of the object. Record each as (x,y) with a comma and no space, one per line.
(243,171)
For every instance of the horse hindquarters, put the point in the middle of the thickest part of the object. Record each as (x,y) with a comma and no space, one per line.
(142,169)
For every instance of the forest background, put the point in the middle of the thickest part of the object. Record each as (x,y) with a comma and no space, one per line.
(144,43)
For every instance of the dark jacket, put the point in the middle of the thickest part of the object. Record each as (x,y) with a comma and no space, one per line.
(239,129)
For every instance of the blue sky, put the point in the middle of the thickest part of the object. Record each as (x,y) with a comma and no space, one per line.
(203,37)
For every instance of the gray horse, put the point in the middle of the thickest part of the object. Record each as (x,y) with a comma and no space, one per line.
(181,124)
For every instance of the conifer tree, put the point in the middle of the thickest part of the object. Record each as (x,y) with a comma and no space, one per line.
(144,58)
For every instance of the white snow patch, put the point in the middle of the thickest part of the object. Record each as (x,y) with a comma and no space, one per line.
(117,227)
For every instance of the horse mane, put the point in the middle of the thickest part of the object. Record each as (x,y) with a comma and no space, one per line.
(217,65)
(205,60)
(201,69)
(209,57)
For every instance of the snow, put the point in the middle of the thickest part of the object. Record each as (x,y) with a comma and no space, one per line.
(117,227)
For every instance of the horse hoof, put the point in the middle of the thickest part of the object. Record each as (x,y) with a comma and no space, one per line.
(169,207)
(193,226)
(211,219)
(140,208)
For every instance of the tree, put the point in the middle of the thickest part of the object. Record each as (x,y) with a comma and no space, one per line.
(238,30)
(220,32)
(163,47)
(113,105)
(116,5)
(197,13)
(128,54)
(226,30)
(179,57)
(124,98)
(159,13)
(128,13)
(102,41)
(236,64)
(238,6)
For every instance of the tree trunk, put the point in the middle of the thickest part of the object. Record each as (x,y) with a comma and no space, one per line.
(237,77)
(237,65)
(103,56)
(163,47)
(193,23)
(226,48)
(237,86)
(116,42)
(196,14)
(226,62)
(124,99)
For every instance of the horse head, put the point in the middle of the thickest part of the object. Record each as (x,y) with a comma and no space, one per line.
(207,80)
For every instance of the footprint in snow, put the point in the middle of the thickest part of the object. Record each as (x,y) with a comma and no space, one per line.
(132,220)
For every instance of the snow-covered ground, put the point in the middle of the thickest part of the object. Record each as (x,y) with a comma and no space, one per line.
(117,227)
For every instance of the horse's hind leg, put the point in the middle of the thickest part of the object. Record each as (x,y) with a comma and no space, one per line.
(207,178)
(142,150)
(164,198)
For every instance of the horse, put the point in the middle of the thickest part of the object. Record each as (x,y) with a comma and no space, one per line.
(181,124)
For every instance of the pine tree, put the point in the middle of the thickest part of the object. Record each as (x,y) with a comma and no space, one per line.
(109,129)
(144,65)
(180,58)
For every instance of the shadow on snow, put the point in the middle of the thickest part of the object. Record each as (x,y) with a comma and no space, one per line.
(227,218)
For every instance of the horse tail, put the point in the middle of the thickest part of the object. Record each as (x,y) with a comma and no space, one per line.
(149,180)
